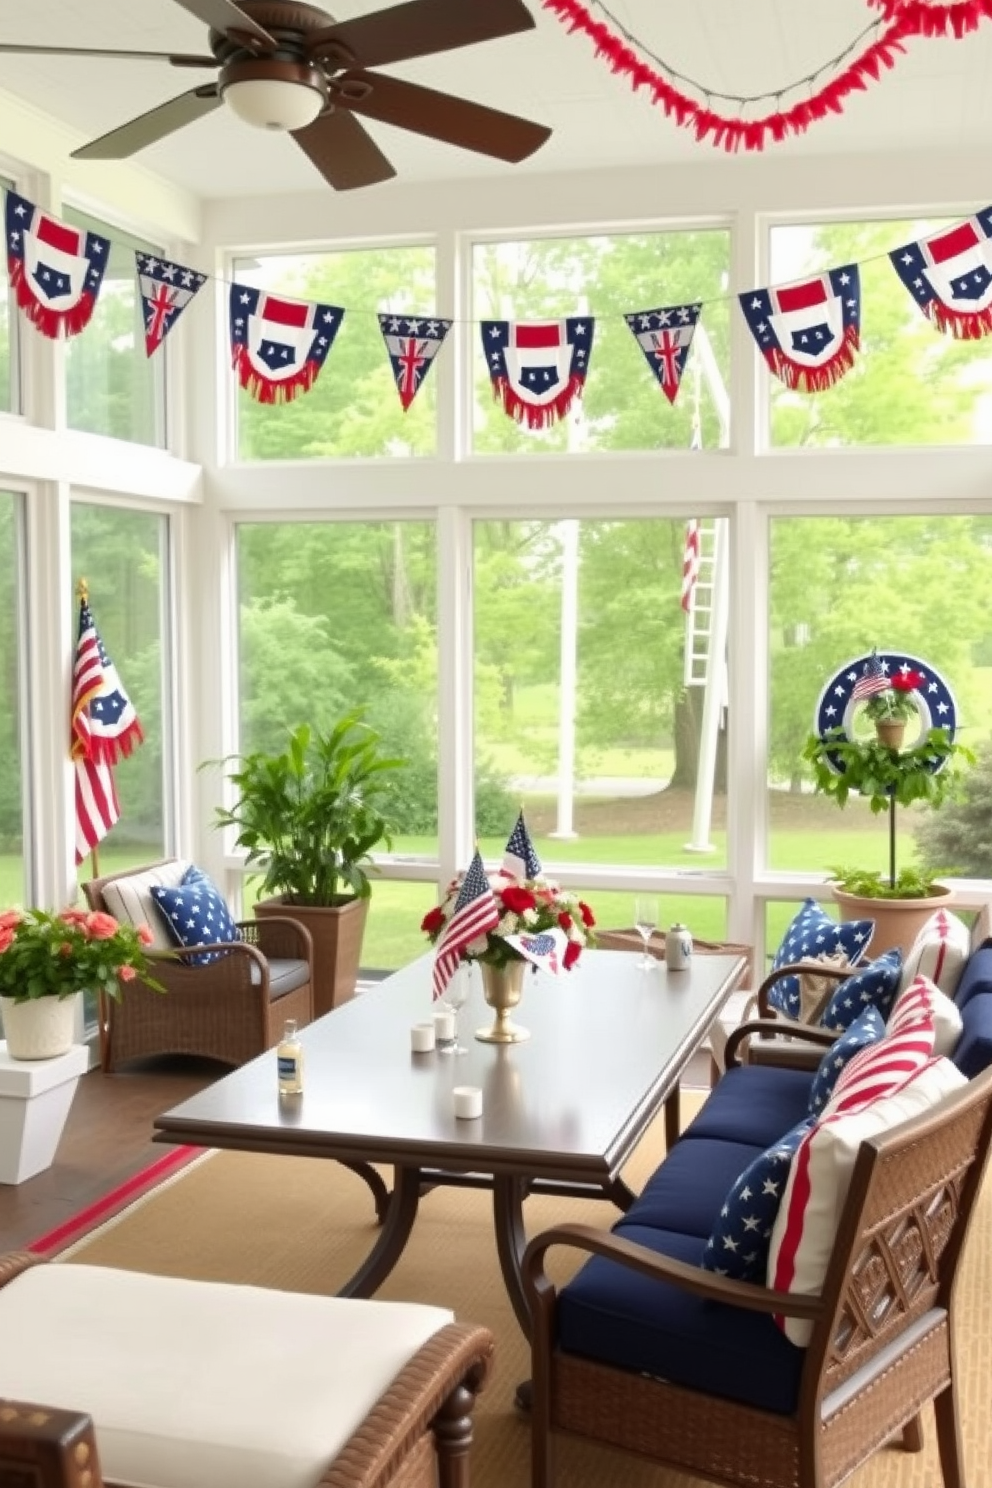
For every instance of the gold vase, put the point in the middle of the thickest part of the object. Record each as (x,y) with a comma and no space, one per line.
(502,987)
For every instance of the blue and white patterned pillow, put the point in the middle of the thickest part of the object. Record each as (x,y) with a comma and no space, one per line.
(813,933)
(875,985)
(196,914)
(868,1027)
(738,1244)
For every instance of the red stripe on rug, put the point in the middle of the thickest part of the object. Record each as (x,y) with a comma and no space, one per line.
(112,1203)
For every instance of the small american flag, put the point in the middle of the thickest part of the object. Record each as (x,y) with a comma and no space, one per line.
(690,564)
(104,726)
(520,860)
(872,680)
(475,913)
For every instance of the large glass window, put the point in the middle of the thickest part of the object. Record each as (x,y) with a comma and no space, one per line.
(112,386)
(13,886)
(910,384)
(122,555)
(353,410)
(623,407)
(841,587)
(9,381)
(582,708)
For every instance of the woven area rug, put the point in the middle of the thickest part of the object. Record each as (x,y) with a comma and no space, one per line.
(305,1225)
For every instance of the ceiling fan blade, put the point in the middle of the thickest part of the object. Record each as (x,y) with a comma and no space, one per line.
(225,16)
(153,126)
(441,116)
(177,59)
(419,28)
(343,151)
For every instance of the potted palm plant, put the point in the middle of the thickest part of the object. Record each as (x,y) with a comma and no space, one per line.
(308,818)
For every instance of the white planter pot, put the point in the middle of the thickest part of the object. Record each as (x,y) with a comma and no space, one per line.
(40,1028)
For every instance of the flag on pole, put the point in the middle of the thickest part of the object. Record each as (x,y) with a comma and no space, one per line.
(104,726)
(520,860)
(871,681)
(475,913)
(690,564)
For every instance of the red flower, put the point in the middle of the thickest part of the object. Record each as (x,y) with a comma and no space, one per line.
(572,953)
(907,681)
(433,920)
(101,926)
(565,920)
(588,918)
(516,899)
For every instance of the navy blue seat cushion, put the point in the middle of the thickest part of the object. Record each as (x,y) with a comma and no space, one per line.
(685,1193)
(973,1051)
(740,1238)
(754,1105)
(976,977)
(610,1313)
(874,985)
(866,1029)
(811,934)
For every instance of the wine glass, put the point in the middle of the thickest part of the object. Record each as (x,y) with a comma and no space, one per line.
(646,922)
(456,996)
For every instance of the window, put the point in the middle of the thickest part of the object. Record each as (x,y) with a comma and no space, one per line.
(112,386)
(622,407)
(13,875)
(910,384)
(353,410)
(10,401)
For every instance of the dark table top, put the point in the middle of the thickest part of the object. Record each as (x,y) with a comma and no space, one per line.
(608,1042)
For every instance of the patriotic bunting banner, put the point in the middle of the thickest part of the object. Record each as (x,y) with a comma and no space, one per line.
(278,346)
(104,726)
(55,270)
(808,333)
(412,344)
(665,336)
(537,368)
(166,289)
(949,275)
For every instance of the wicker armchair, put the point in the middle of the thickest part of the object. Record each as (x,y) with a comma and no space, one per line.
(883,1329)
(231,1009)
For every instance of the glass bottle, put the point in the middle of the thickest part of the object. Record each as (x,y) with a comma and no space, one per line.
(289,1060)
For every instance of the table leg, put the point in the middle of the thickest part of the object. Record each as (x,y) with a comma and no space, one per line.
(400,1215)
(511,1240)
(380,1193)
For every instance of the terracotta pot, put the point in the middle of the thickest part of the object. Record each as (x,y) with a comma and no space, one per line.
(890,731)
(40,1027)
(897,921)
(337,933)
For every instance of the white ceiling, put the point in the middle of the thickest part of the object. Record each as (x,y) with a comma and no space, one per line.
(939,95)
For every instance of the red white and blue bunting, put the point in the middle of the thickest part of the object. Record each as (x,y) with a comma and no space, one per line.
(412,343)
(538,368)
(665,337)
(278,346)
(55,270)
(808,333)
(166,289)
(949,275)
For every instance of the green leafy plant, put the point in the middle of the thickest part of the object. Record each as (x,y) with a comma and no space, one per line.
(898,703)
(310,816)
(57,955)
(865,883)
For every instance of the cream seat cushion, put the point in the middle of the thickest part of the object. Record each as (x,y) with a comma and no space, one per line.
(192,1383)
(130,901)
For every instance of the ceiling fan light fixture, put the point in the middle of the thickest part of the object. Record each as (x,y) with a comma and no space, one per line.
(273,103)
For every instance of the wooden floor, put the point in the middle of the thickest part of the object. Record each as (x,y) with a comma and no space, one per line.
(107,1139)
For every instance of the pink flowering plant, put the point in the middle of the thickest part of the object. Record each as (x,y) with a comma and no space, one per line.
(77,950)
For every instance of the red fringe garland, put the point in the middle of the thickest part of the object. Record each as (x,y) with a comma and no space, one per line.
(266,389)
(905,19)
(540,416)
(816,379)
(970,326)
(110,751)
(51,323)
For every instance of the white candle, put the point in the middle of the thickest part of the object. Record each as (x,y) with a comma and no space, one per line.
(444,1028)
(422,1038)
(468,1101)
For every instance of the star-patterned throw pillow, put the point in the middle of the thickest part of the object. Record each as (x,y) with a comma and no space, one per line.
(196,914)
(738,1245)
(874,985)
(813,933)
(867,1028)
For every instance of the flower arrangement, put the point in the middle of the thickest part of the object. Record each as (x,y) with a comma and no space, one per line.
(57,955)
(526,907)
(898,701)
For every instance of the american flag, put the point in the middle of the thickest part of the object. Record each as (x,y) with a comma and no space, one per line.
(520,860)
(166,290)
(104,727)
(872,680)
(475,913)
(690,563)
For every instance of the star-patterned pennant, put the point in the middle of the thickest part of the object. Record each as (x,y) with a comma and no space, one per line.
(166,289)
(665,336)
(278,346)
(55,270)
(538,368)
(808,333)
(949,275)
(412,343)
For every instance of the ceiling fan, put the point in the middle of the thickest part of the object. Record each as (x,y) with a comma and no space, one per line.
(289,66)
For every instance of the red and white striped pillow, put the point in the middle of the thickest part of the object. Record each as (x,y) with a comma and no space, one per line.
(939,951)
(923,1000)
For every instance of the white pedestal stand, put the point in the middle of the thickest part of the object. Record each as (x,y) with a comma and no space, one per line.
(35,1096)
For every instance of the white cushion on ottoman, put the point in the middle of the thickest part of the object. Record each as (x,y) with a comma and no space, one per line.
(130,900)
(192,1383)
